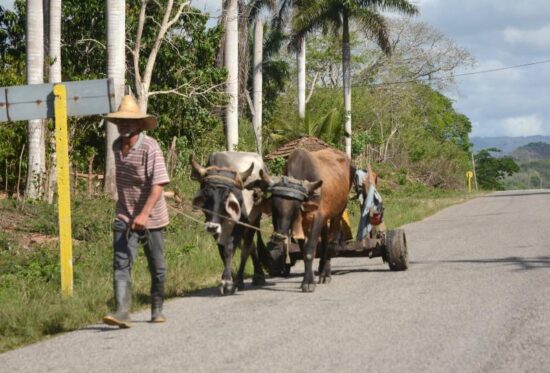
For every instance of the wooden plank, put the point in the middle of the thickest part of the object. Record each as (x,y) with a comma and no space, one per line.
(369,248)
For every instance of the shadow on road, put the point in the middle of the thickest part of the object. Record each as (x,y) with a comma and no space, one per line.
(292,278)
(101,328)
(522,263)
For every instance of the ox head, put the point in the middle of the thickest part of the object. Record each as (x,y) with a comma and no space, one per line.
(220,194)
(288,198)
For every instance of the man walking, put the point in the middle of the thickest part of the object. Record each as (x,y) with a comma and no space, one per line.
(141,212)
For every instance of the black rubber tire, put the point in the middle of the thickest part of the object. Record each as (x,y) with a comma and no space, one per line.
(397,254)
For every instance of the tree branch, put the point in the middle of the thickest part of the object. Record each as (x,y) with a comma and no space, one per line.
(165,26)
(250,103)
(137,46)
(92,40)
(312,87)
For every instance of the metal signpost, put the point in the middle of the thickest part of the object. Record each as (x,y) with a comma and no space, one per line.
(41,101)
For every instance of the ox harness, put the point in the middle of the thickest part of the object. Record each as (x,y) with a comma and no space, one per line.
(228,179)
(290,188)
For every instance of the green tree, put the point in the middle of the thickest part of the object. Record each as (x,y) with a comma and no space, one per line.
(336,15)
(491,171)
(188,61)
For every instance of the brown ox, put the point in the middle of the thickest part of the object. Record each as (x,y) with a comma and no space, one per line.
(301,209)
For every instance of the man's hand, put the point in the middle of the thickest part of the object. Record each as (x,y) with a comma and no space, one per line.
(140,222)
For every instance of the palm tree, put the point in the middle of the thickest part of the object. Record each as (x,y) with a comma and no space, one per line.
(35,75)
(257,87)
(54,51)
(299,47)
(335,15)
(231,63)
(116,69)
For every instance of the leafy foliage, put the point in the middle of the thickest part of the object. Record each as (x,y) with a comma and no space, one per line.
(490,171)
(187,59)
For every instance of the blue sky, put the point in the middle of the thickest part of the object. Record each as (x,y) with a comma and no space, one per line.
(498,33)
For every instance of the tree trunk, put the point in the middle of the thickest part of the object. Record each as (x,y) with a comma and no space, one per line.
(244,54)
(54,73)
(35,75)
(301,64)
(258,82)
(231,59)
(346,68)
(116,68)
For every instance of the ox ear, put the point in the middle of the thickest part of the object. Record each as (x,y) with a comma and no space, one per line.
(233,207)
(311,186)
(198,201)
(197,171)
(245,175)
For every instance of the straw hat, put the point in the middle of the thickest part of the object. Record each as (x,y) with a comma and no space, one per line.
(129,109)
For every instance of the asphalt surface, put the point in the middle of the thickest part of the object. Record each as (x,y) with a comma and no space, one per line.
(476,298)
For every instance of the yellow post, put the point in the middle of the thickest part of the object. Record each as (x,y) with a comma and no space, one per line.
(63,189)
(469,175)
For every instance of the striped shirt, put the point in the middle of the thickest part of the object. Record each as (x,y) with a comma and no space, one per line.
(136,174)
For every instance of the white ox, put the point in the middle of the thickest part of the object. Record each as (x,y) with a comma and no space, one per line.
(224,199)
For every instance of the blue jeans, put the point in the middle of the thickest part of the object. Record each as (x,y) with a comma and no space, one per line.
(125,243)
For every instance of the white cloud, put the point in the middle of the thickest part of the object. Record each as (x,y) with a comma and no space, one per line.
(537,38)
(528,125)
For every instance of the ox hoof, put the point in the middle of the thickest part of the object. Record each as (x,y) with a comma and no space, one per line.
(325,279)
(240,285)
(258,280)
(227,288)
(286,271)
(308,287)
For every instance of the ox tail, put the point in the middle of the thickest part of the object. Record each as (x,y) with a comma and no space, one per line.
(263,253)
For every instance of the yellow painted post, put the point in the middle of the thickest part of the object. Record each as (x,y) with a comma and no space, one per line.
(469,175)
(63,189)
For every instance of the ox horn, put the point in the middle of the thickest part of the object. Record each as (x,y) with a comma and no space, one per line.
(266,178)
(197,171)
(245,175)
(312,185)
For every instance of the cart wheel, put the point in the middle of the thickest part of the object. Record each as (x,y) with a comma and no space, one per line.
(396,250)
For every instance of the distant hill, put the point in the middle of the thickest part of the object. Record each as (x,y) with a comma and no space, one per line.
(506,144)
(534,162)
(534,151)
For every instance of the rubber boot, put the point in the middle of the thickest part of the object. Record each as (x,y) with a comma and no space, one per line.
(123,298)
(157,299)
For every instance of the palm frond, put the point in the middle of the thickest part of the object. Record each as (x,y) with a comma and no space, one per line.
(326,125)
(254,7)
(375,24)
(400,6)
(310,15)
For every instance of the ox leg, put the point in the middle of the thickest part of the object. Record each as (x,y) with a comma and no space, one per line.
(249,248)
(226,253)
(308,283)
(259,277)
(245,252)
(333,241)
(323,257)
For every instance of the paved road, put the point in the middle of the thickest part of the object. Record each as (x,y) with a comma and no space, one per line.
(475,299)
